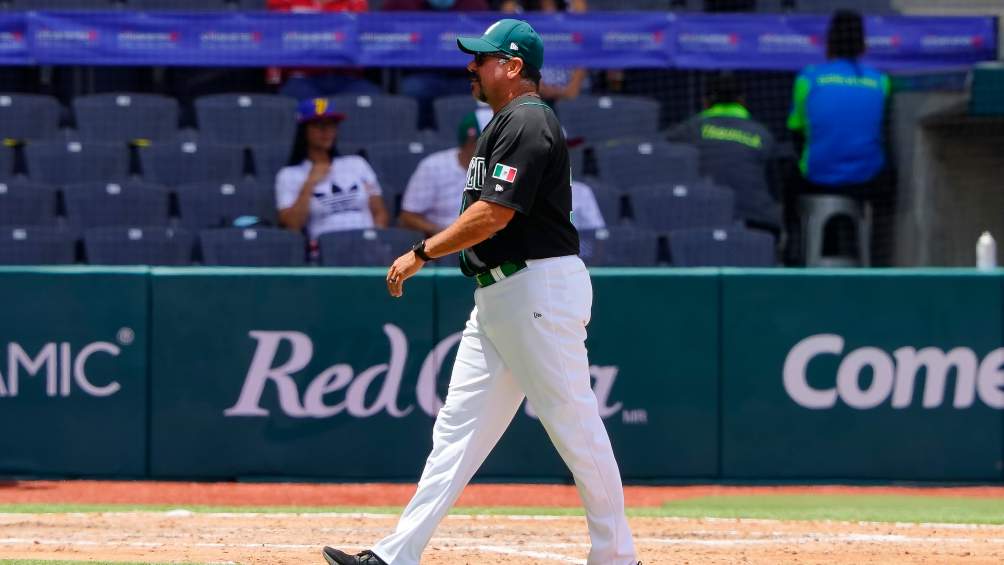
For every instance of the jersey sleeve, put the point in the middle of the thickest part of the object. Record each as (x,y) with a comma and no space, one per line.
(287,187)
(417,194)
(368,176)
(798,119)
(585,211)
(517,161)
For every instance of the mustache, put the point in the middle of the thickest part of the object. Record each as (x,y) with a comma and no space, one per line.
(471,75)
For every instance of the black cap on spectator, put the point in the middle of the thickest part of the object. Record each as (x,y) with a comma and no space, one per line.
(846,36)
(723,88)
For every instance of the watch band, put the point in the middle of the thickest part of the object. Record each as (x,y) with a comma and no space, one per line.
(419,249)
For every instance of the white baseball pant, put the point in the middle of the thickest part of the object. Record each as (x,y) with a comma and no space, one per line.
(526,336)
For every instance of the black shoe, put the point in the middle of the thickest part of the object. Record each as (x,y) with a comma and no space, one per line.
(335,557)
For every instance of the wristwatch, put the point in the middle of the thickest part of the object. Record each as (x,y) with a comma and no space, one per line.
(419,250)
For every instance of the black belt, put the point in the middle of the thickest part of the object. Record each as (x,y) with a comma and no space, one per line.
(496,274)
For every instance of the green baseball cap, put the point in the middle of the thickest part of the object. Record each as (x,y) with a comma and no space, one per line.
(513,37)
(469,127)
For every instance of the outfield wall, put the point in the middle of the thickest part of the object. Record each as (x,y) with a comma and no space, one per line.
(708,374)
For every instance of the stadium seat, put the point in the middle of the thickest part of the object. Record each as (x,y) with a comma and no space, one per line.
(7,160)
(252,247)
(365,248)
(633,5)
(827,6)
(601,118)
(246,119)
(138,246)
(25,203)
(181,5)
(213,205)
(664,207)
(54,5)
(376,118)
(630,165)
(258,5)
(28,116)
(608,198)
(36,245)
(449,110)
(175,163)
(126,117)
(733,247)
(619,246)
(128,203)
(268,159)
(64,162)
(394,162)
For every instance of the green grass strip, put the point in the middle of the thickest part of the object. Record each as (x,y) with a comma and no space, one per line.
(851,508)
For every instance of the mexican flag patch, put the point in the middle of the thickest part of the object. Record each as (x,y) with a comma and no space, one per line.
(504,172)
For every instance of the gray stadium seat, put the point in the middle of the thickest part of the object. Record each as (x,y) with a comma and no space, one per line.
(630,165)
(734,247)
(36,245)
(28,116)
(128,203)
(256,5)
(138,246)
(608,198)
(7,158)
(252,247)
(394,162)
(598,118)
(25,203)
(664,208)
(269,158)
(365,248)
(56,5)
(246,119)
(126,117)
(376,118)
(64,162)
(828,6)
(619,246)
(633,5)
(450,110)
(212,205)
(180,5)
(175,163)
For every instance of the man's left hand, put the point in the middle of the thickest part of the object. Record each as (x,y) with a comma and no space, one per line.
(403,268)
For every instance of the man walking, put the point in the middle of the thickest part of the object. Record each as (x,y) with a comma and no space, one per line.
(526,334)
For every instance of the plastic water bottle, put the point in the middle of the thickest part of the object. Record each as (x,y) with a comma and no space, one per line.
(986,252)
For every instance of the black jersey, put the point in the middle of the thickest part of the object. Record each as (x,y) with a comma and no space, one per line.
(521,162)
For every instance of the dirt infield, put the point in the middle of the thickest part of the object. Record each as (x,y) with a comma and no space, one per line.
(287,539)
(295,539)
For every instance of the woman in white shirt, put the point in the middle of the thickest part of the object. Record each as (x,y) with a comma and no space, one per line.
(321,191)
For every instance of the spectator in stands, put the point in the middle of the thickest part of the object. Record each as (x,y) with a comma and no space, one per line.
(735,150)
(432,198)
(306,83)
(427,85)
(320,190)
(586,213)
(837,114)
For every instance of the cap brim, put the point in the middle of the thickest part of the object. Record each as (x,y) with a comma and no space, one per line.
(475,45)
(336,116)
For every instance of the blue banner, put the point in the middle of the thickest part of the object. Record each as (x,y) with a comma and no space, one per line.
(594,40)
(13,40)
